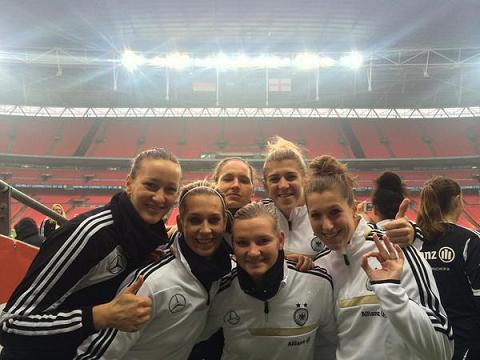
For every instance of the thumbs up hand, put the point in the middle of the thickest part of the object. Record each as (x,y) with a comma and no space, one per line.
(127,311)
(402,209)
(400,231)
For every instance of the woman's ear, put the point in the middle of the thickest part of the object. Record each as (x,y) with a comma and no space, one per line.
(128,185)
(281,240)
(458,202)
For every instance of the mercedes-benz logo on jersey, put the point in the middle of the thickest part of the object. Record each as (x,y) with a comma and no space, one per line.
(300,316)
(316,244)
(231,318)
(117,264)
(177,303)
(446,254)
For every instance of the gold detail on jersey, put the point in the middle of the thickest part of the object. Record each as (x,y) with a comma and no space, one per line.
(282,331)
(357,301)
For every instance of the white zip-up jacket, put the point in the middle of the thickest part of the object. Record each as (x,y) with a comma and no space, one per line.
(179,313)
(299,236)
(281,328)
(386,320)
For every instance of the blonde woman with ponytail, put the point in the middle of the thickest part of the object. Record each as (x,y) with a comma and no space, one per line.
(454,255)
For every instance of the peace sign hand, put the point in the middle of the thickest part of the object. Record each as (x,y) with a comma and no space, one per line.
(389,256)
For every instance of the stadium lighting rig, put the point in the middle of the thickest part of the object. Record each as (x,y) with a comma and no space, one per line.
(131,60)
(179,61)
(353,60)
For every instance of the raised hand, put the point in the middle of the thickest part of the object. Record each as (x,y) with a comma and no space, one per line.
(390,257)
(400,231)
(304,262)
(127,311)
(360,207)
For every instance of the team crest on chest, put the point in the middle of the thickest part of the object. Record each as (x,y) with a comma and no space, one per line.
(316,244)
(231,318)
(300,316)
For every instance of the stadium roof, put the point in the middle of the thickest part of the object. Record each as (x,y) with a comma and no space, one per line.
(273,25)
(403,30)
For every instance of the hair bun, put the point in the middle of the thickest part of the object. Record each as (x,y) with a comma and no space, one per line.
(327,165)
(390,181)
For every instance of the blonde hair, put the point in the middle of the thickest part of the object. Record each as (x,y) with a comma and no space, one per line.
(218,168)
(255,210)
(280,149)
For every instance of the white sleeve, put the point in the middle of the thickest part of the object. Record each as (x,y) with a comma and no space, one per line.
(112,343)
(413,307)
(326,339)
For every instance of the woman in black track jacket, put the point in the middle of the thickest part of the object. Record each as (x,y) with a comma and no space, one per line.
(69,290)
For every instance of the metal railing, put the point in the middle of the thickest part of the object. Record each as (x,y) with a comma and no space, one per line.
(7,192)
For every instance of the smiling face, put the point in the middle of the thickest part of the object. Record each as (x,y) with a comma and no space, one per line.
(333,220)
(58,209)
(256,244)
(284,184)
(234,180)
(154,189)
(203,223)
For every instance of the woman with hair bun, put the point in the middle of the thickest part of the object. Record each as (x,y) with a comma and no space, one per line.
(392,309)
(387,197)
(454,254)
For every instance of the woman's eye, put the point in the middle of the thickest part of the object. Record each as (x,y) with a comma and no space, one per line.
(214,221)
(194,221)
(171,190)
(245,180)
(263,241)
(150,186)
(335,212)
(241,243)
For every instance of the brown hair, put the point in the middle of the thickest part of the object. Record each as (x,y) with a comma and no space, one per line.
(280,149)
(200,187)
(435,202)
(258,209)
(218,169)
(388,194)
(328,174)
(156,154)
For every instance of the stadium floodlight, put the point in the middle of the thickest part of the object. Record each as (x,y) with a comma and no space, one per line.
(270,61)
(308,61)
(132,60)
(353,60)
(177,61)
(219,61)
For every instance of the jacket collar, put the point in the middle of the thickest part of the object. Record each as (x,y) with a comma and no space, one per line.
(205,270)
(269,285)
(137,238)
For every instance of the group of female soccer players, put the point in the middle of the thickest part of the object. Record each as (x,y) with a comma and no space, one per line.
(300,275)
